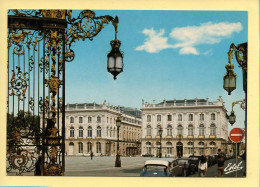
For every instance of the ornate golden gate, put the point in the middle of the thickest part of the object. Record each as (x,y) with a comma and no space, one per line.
(39,44)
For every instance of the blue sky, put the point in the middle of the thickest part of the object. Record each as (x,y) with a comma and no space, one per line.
(167,54)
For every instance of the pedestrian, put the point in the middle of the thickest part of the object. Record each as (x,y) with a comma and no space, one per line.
(221,163)
(203,166)
(91,155)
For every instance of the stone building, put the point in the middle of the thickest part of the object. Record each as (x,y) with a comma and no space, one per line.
(92,127)
(189,126)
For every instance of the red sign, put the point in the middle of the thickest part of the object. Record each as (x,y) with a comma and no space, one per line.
(236,135)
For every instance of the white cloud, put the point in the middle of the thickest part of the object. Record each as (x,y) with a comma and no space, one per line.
(155,41)
(188,38)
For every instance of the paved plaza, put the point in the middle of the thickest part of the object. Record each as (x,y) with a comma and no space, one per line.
(130,167)
(104,166)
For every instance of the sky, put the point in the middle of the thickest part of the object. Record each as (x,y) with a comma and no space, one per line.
(167,55)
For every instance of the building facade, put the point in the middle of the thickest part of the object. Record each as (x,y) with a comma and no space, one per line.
(91,127)
(196,126)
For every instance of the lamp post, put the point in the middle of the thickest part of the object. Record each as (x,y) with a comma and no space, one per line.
(230,78)
(118,160)
(160,133)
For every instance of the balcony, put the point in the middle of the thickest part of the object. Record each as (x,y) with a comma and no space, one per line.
(168,136)
(148,136)
(190,136)
(201,137)
(212,136)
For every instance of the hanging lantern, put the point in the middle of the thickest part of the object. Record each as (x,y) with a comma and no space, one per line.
(232,117)
(115,59)
(230,79)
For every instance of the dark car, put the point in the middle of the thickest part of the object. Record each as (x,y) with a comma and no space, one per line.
(188,166)
(156,168)
(210,160)
(147,155)
(214,158)
(195,160)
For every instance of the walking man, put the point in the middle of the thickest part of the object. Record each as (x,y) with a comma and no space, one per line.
(91,155)
(221,163)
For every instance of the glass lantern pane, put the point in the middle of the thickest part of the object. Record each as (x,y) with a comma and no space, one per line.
(232,82)
(119,62)
(111,62)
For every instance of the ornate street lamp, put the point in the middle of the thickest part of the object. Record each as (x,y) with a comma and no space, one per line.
(115,59)
(230,79)
(118,160)
(232,118)
(160,133)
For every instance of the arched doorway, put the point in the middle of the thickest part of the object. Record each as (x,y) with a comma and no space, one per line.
(71,148)
(179,149)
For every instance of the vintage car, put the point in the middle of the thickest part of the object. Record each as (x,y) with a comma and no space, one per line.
(195,160)
(188,166)
(210,160)
(156,168)
(147,155)
(175,169)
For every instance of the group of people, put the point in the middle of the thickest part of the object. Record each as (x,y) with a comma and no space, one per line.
(203,165)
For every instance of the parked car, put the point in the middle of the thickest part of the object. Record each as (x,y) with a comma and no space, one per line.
(175,169)
(195,160)
(214,158)
(210,160)
(156,168)
(147,155)
(188,166)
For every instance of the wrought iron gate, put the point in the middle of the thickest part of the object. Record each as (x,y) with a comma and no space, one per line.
(39,43)
(36,93)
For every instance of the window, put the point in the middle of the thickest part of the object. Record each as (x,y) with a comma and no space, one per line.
(89,131)
(98,150)
(213,116)
(80,131)
(114,132)
(179,129)
(71,119)
(159,118)
(212,130)
(98,131)
(148,148)
(107,131)
(80,147)
(202,117)
(158,128)
(89,119)
(169,148)
(149,118)
(148,130)
(190,130)
(190,117)
(190,150)
(213,150)
(169,117)
(212,143)
(190,147)
(110,132)
(201,143)
(201,130)
(98,119)
(169,130)
(71,131)
(89,147)
(201,151)
(179,117)
(80,119)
